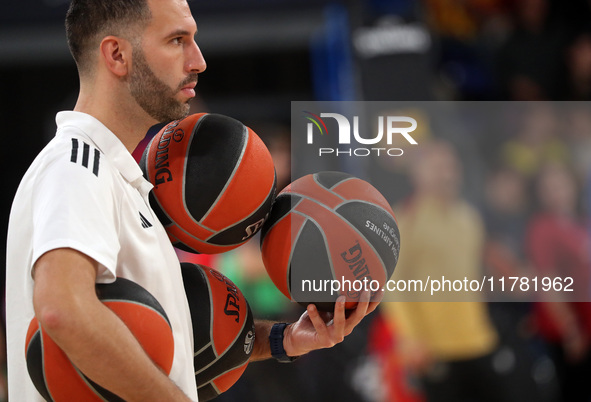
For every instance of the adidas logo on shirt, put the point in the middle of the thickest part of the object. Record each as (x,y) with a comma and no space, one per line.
(145,223)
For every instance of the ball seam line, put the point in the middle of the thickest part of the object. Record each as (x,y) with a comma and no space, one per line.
(257,210)
(163,316)
(324,239)
(245,143)
(293,245)
(231,343)
(184,172)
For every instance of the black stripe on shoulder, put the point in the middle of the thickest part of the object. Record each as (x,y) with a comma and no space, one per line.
(97,159)
(74,156)
(86,155)
(85,152)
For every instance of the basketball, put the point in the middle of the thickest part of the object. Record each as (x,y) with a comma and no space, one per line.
(223,329)
(57,379)
(328,234)
(214,182)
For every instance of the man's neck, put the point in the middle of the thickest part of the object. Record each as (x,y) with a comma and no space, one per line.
(128,123)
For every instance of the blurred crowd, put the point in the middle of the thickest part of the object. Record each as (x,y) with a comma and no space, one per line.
(511,206)
(512,203)
(507,203)
(512,49)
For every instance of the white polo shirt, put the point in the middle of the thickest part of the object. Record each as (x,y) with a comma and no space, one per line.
(85,191)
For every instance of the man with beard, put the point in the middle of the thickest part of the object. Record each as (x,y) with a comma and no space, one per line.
(79,215)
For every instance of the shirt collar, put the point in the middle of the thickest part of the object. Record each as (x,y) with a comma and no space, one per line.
(108,143)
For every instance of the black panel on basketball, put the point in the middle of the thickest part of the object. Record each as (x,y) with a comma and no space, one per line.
(330,179)
(235,352)
(198,300)
(123,289)
(310,256)
(281,207)
(215,132)
(358,213)
(35,364)
(207,392)
(205,357)
(239,230)
(181,246)
(105,393)
(160,214)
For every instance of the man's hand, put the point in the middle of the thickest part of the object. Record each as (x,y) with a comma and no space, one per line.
(314,330)
(319,330)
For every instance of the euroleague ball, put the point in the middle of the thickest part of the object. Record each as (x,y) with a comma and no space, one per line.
(57,379)
(330,234)
(214,182)
(223,329)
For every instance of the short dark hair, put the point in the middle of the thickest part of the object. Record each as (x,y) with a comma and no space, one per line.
(86,20)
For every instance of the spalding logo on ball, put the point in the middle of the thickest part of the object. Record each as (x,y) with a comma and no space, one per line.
(223,329)
(214,182)
(325,227)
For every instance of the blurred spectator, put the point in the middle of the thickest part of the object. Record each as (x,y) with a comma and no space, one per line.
(530,63)
(451,19)
(277,137)
(469,21)
(467,33)
(577,136)
(506,215)
(578,62)
(536,141)
(558,246)
(451,346)
(391,373)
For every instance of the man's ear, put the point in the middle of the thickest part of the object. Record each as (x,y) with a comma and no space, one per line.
(116,54)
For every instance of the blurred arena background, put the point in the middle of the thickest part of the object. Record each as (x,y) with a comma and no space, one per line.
(526,189)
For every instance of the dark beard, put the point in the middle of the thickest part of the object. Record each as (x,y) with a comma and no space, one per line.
(152,94)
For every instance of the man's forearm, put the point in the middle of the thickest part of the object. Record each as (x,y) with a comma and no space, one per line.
(103,348)
(96,341)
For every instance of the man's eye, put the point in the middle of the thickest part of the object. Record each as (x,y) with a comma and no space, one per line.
(177,41)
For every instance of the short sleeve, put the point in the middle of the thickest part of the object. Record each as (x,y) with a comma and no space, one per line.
(75,206)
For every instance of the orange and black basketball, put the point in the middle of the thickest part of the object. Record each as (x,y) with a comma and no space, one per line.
(57,379)
(223,329)
(214,182)
(330,226)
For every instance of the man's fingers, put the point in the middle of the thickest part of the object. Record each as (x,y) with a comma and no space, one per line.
(359,312)
(317,321)
(339,320)
(329,328)
(326,316)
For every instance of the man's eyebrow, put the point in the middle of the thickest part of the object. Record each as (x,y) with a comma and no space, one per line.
(180,32)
